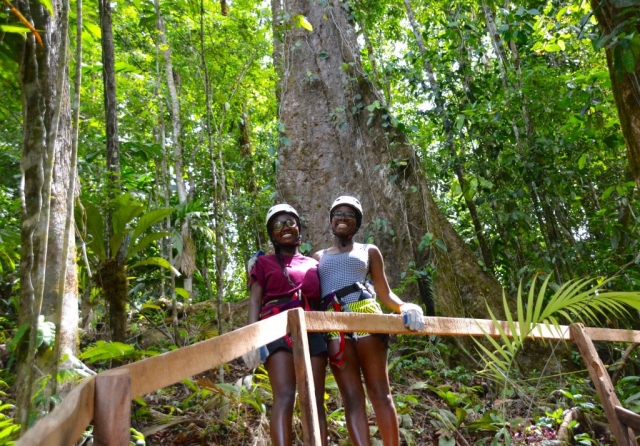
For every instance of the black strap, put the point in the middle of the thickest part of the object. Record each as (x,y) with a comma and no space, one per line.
(353,288)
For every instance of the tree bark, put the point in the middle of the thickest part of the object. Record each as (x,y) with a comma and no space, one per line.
(625,81)
(187,257)
(339,139)
(110,104)
(46,150)
(115,293)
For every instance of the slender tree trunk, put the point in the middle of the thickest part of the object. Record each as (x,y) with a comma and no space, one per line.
(66,310)
(219,193)
(187,259)
(362,154)
(485,252)
(167,245)
(618,17)
(113,270)
(44,166)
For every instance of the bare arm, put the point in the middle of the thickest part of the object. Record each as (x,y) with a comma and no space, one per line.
(255,302)
(379,278)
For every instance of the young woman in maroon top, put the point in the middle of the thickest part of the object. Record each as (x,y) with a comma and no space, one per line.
(279,282)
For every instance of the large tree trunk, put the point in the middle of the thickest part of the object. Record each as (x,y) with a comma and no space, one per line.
(339,139)
(46,151)
(624,79)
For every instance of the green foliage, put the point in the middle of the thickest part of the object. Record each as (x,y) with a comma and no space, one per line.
(575,301)
(628,389)
(128,225)
(106,351)
(9,428)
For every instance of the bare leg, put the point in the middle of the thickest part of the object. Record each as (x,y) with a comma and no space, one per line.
(282,377)
(319,367)
(372,352)
(352,392)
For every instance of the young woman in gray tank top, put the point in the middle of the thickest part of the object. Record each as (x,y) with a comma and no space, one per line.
(343,269)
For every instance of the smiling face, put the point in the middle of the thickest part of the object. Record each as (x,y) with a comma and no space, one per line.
(343,220)
(284,229)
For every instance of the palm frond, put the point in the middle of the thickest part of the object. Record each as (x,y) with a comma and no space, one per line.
(579,300)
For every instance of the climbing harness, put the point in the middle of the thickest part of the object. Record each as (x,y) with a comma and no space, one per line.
(335,302)
(277,306)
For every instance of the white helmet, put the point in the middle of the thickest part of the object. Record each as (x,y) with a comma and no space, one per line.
(349,201)
(279,209)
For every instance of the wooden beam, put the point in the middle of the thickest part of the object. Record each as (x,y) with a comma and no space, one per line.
(629,418)
(443,326)
(66,423)
(600,378)
(450,326)
(112,412)
(304,378)
(612,335)
(163,370)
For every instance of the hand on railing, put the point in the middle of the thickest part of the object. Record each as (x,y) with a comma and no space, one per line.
(255,357)
(413,317)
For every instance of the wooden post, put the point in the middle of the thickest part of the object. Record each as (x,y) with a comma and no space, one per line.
(304,378)
(602,382)
(112,408)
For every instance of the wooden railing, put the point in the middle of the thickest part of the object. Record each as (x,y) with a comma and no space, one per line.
(104,400)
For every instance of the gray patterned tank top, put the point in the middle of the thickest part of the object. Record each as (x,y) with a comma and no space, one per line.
(340,270)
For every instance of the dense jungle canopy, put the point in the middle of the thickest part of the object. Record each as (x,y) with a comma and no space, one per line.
(141,143)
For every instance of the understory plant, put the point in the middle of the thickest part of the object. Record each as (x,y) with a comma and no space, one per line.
(575,301)
(9,427)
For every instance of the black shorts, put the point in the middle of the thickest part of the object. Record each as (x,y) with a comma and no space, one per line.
(317,344)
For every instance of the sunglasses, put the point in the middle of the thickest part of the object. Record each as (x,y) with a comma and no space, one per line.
(291,223)
(345,215)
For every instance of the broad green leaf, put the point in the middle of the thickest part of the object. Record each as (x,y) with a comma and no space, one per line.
(608,191)
(115,242)
(304,23)
(17,337)
(123,67)
(628,61)
(93,29)
(156,261)
(19,29)
(582,161)
(552,47)
(95,230)
(440,244)
(125,213)
(144,242)
(48,5)
(104,351)
(148,219)
(182,293)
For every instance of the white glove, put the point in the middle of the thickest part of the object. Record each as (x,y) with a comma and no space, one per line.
(255,357)
(412,315)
